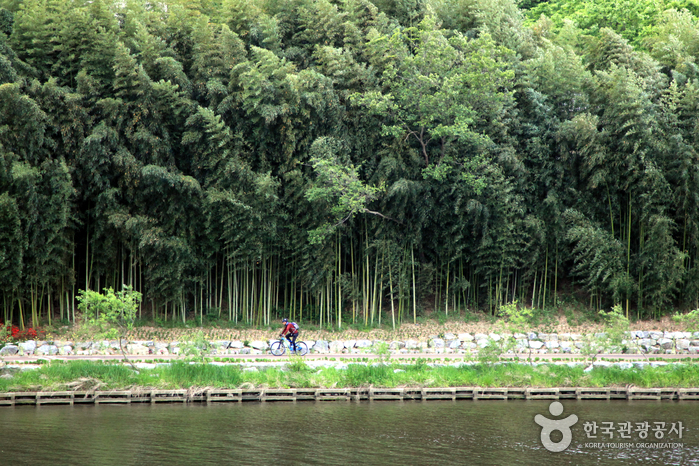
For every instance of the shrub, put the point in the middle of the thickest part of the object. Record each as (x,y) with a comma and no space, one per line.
(691,320)
(11,333)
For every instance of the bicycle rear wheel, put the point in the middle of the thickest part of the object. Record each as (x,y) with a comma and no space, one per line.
(277,348)
(301,348)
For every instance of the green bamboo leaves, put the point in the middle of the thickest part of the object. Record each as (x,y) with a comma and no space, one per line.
(337,184)
(340,160)
(439,89)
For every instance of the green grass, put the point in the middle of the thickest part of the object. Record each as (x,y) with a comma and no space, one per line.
(86,375)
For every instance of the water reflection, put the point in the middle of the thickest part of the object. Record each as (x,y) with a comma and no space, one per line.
(330,433)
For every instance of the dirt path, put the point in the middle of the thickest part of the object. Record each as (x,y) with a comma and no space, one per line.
(358,357)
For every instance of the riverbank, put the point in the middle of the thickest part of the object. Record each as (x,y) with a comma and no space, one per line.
(296,374)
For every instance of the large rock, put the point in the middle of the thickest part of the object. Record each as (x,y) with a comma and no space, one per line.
(437,343)
(363,344)
(412,344)
(337,346)
(646,343)
(28,347)
(398,345)
(47,349)
(682,343)
(665,343)
(236,344)
(521,343)
(9,350)
(536,344)
(259,345)
(139,350)
(349,344)
(466,337)
(321,346)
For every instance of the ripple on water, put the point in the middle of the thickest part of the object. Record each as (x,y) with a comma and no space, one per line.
(330,433)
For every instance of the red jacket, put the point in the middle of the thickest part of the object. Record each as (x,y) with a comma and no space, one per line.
(288,328)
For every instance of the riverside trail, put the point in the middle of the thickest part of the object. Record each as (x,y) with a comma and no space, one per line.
(523,358)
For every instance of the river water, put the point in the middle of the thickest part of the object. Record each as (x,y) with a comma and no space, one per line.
(346,433)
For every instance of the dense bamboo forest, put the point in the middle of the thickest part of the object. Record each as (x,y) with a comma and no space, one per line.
(343,161)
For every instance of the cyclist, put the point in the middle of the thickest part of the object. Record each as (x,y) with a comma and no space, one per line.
(291,330)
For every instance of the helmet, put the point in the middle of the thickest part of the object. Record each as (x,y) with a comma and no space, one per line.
(285,320)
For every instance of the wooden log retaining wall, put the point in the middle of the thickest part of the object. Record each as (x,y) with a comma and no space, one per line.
(342,394)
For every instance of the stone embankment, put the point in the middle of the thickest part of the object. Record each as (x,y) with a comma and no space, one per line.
(646,342)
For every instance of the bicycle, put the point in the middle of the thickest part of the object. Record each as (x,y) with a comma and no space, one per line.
(278,348)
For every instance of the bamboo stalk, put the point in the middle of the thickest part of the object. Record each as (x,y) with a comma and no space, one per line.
(628,253)
(390,281)
(546,272)
(412,264)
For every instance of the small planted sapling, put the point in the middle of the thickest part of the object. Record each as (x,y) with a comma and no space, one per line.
(198,348)
(112,313)
(514,319)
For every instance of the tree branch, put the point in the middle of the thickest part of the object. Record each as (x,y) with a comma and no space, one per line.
(382,215)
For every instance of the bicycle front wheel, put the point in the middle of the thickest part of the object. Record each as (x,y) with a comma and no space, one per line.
(301,348)
(277,348)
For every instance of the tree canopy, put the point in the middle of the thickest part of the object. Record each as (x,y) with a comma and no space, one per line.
(348,160)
